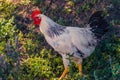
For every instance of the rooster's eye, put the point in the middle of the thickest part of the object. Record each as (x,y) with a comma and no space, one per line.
(36,17)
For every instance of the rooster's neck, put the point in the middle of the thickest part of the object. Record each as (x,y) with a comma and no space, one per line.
(49,28)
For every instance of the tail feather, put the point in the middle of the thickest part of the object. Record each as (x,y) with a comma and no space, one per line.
(98,24)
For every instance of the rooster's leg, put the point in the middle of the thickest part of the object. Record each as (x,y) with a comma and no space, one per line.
(93,11)
(80,69)
(64,73)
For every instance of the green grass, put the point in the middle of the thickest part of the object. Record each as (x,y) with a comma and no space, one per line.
(24,53)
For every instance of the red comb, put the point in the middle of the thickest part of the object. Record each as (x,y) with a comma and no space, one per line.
(34,13)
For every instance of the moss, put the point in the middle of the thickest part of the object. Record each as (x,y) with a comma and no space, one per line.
(31,58)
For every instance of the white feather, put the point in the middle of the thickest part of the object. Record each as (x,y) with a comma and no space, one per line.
(73,37)
(71,40)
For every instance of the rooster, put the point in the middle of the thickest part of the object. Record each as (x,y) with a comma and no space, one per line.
(75,41)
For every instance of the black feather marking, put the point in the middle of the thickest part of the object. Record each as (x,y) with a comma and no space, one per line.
(55,31)
(98,24)
(80,52)
(91,44)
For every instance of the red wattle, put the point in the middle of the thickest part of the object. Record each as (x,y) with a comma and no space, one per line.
(37,21)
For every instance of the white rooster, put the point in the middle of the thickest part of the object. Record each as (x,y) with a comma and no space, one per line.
(76,41)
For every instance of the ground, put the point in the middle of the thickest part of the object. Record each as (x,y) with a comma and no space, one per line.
(24,53)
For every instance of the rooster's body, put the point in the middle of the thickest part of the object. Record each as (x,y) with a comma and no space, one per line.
(75,41)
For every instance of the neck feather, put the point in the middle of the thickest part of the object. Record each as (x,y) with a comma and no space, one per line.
(49,28)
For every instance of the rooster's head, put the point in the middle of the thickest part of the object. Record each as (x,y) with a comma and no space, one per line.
(35,17)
